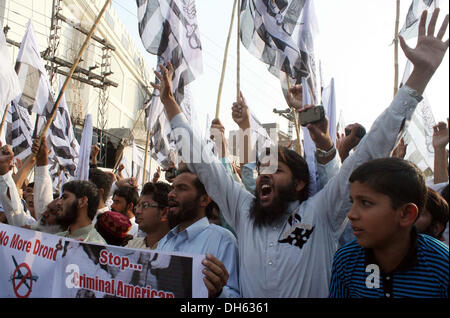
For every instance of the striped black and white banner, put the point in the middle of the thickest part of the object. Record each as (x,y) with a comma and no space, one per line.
(281,34)
(61,139)
(19,130)
(37,96)
(169,29)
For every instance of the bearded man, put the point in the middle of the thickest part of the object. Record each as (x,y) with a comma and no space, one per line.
(79,203)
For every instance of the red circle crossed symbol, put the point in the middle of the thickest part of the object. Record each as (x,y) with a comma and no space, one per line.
(23,279)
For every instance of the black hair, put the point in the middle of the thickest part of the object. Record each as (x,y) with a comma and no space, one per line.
(102,180)
(445,193)
(130,194)
(209,210)
(197,183)
(299,169)
(84,189)
(401,180)
(159,191)
(438,208)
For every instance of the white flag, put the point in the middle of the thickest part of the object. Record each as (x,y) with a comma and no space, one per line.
(419,135)
(411,27)
(9,82)
(329,104)
(36,89)
(310,146)
(82,172)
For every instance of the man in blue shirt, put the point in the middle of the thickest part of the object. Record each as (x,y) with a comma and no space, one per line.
(192,233)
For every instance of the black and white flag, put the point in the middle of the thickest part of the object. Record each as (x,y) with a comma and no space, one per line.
(419,135)
(36,89)
(61,139)
(411,27)
(281,33)
(169,29)
(19,131)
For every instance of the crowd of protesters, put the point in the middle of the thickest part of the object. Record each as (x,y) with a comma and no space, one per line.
(264,235)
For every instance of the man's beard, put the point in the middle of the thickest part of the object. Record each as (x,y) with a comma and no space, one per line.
(186,211)
(52,229)
(267,215)
(69,217)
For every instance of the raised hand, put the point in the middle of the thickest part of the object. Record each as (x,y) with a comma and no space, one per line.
(440,135)
(241,113)
(216,126)
(156,175)
(345,144)
(319,132)
(166,91)
(400,150)
(95,150)
(295,96)
(42,153)
(440,141)
(6,159)
(165,83)
(218,135)
(429,52)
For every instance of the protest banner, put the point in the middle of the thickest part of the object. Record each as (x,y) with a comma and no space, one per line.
(40,265)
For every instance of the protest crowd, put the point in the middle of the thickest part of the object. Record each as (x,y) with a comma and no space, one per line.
(368,224)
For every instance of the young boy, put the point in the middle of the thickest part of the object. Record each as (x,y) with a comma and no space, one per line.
(389,258)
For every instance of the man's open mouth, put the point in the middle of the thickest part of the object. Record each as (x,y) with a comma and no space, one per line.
(265,191)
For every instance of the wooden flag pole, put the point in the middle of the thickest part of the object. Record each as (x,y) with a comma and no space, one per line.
(75,64)
(4,118)
(238,93)
(145,158)
(128,139)
(294,114)
(225,59)
(397,21)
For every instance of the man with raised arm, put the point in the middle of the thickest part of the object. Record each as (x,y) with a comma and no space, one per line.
(287,239)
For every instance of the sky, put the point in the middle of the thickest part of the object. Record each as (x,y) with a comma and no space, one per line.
(355,48)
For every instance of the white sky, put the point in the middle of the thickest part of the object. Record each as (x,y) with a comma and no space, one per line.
(355,41)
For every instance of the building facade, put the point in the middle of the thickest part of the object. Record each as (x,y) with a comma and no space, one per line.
(113,79)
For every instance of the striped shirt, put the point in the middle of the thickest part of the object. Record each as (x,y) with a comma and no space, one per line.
(424,272)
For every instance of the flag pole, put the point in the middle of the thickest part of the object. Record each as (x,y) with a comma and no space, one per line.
(59,176)
(238,93)
(397,21)
(4,118)
(128,139)
(225,58)
(294,114)
(146,156)
(75,64)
